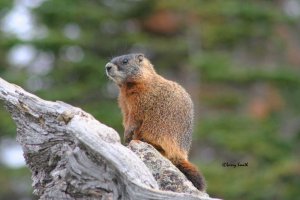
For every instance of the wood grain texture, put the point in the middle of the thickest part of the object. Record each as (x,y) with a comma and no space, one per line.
(73,156)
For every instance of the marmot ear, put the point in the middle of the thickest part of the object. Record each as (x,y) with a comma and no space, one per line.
(140,57)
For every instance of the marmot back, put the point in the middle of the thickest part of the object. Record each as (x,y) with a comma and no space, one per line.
(155,110)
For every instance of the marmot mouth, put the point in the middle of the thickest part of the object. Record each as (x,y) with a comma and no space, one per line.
(113,77)
(110,76)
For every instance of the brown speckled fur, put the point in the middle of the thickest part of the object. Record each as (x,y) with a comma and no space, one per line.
(155,110)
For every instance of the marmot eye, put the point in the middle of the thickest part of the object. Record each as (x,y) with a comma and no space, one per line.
(124,61)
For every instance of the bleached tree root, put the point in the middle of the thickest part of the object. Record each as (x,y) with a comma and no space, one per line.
(73,156)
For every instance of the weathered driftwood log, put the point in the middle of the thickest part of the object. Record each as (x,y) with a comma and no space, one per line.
(73,156)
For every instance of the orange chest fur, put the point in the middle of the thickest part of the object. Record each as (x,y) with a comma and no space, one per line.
(131,96)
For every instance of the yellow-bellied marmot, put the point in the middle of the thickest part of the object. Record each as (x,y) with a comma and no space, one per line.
(155,110)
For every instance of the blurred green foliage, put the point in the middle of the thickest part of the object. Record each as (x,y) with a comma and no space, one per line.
(238,59)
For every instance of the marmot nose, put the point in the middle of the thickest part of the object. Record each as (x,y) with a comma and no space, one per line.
(108,67)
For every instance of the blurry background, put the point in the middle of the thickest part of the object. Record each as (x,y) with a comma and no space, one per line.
(240,61)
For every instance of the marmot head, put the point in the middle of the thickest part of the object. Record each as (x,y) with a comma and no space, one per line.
(130,68)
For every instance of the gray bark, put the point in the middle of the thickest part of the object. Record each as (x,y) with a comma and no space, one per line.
(73,156)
